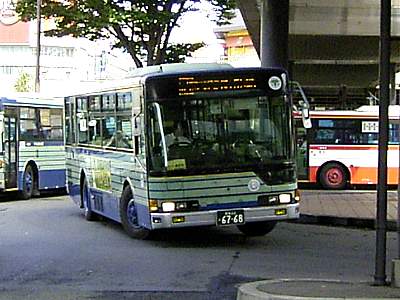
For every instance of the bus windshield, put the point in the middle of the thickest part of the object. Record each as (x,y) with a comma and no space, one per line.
(213,135)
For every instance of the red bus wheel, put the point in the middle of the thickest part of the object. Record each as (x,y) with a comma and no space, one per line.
(333,176)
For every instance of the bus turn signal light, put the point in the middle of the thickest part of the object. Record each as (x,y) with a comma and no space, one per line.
(153,205)
(297,196)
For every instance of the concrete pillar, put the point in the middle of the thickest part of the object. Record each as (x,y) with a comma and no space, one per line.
(395,282)
(274,33)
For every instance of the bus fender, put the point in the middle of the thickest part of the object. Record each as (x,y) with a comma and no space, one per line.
(128,182)
(83,176)
(142,211)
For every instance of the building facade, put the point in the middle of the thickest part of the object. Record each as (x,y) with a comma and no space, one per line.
(238,47)
(65,63)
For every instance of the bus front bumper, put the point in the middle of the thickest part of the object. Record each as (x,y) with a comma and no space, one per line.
(209,218)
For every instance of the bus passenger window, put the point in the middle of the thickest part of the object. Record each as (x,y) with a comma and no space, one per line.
(109,131)
(109,102)
(28,125)
(94,103)
(124,101)
(56,124)
(394,136)
(82,133)
(94,131)
(123,135)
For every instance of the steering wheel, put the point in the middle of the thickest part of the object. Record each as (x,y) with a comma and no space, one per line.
(242,141)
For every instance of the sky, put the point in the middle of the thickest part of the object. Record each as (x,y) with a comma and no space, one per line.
(196,27)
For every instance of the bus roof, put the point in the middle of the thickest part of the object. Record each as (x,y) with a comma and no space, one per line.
(366,111)
(30,99)
(178,68)
(140,75)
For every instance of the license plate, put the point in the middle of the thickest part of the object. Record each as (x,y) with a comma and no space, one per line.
(280,212)
(230,217)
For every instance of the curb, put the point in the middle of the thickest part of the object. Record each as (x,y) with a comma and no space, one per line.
(342,221)
(314,289)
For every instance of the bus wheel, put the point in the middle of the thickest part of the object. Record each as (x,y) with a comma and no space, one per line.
(85,197)
(28,183)
(257,228)
(129,219)
(333,176)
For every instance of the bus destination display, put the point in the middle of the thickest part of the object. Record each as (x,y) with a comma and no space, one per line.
(189,86)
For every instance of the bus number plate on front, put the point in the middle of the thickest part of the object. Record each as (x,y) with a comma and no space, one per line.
(230,217)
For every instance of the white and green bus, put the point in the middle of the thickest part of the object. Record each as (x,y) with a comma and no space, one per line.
(185,147)
(32,156)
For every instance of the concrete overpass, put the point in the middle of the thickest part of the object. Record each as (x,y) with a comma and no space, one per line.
(333,45)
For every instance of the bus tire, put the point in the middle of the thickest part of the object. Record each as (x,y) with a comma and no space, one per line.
(28,183)
(257,228)
(129,219)
(88,213)
(333,176)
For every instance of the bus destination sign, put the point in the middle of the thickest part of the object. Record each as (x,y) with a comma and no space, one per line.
(189,86)
(209,84)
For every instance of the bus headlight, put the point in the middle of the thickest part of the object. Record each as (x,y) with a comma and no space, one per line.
(284,198)
(168,206)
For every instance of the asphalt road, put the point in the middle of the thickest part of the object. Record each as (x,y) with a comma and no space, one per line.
(48,251)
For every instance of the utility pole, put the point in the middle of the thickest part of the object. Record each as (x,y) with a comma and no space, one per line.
(384,81)
(38,46)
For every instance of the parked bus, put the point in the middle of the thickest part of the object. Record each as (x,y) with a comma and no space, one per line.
(32,156)
(342,147)
(184,147)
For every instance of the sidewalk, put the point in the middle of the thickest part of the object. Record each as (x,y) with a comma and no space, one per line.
(308,289)
(344,208)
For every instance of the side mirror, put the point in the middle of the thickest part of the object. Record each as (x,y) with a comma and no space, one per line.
(305,116)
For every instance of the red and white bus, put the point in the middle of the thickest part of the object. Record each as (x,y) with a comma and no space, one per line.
(342,147)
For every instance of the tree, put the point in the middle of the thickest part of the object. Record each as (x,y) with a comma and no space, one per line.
(141,27)
(23,83)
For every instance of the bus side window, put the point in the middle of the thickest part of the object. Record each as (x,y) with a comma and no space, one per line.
(28,124)
(82,106)
(109,131)
(69,136)
(394,136)
(123,134)
(56,131)
(50,124)
(94,131)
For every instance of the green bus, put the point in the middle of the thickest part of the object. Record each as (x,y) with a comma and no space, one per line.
(185,145)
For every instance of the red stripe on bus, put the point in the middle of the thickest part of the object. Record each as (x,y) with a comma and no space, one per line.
(349,147)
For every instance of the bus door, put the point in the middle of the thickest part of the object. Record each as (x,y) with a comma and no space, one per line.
(302,151)
(10,149)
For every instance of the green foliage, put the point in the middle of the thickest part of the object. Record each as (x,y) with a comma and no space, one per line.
(23,83)
(176,53)
(141,27)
